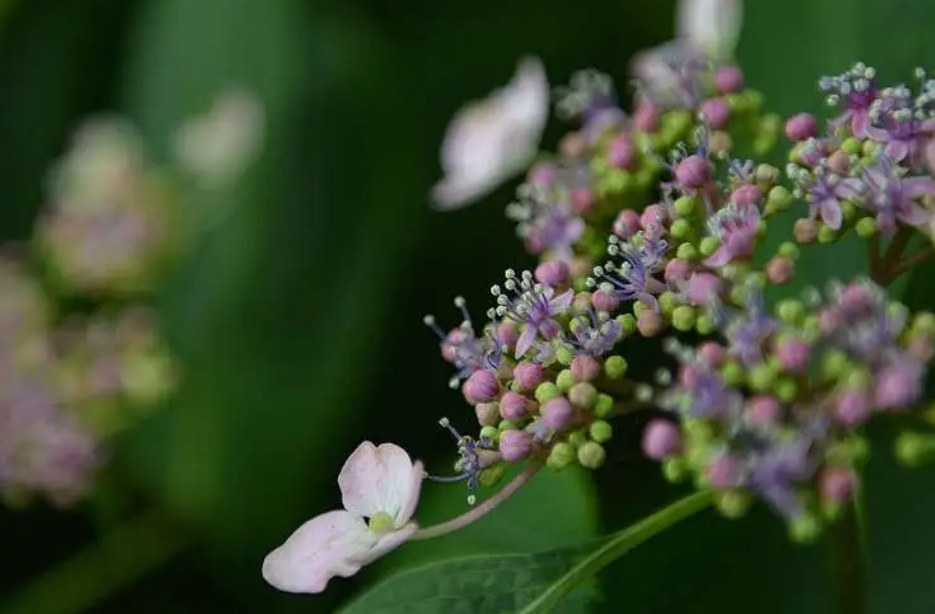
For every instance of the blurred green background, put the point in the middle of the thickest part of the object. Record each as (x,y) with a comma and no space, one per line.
(299,321)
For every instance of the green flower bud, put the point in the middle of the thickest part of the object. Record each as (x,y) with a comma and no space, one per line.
(786,389)
(779,197)
(547,391)
(848,211)
(564,356)
(604,406)
(685,206)
(578,438)
(791,311)
(852,145)
(697,431)
(790,250)
(805,529)
(914,449)
(564,380)
(666,302)
(591,455)
(615,367)
(561,455)
(681,229)
(492,475)
(683,318)
(705,324)
(674,469)
(761,378)
(835,364)
(924,323)
(687,252)
(601,431)
(767,173)
(489,432)
(583,395)
(733,503)
(708,246)
(506,425)
(627,323)
(827,234)
(732,373)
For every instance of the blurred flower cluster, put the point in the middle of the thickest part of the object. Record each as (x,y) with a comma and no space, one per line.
(82,355)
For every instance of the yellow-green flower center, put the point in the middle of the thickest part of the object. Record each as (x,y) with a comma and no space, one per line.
(381,522)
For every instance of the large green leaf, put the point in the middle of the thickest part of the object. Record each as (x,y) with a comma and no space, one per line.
(532,583)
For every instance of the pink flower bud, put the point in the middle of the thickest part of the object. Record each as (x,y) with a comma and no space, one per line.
(852,408)
(627,223)
(899,386)
(488,414)
(712,353)
(717,111)
(542,174)
(805,230)
(513,406)
(830,319)
(604,301)
(582,200)
(584,368)
(554,273)
(764,410)
(677,270)
(837,484)
(855,298)
(646,115)
(661,440)
(621,154)
(793,354)
(920,348)
(648,323)
(689,376)
(694,172)
(780,270)
(840,162)
(481,387)
(452,342)
(728,80)
(573,145)
(515,445)
(508,333)
(528,375)
(653,215)
(746,195)
(801,127)
(557,413)
(724,472)
(704,288)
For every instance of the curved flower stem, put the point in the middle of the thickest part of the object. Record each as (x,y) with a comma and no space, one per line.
(616,546)
(122,556)
(848,563)
(920,257)
(484,508)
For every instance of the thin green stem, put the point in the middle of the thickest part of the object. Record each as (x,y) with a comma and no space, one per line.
(121,557)
(848,563)
(616,546)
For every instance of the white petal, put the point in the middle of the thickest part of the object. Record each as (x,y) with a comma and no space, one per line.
(415,488)
(388,542)
(334,544)
(377,479)
(491,140)
(712,25)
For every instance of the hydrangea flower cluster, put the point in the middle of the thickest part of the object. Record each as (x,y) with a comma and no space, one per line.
(648,222)
(77,372)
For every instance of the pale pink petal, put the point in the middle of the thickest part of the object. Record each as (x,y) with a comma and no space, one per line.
(376,479)
(326,546)
(711,25)
(415,488)
(897,150)
(930,155)
(918,186)
(914,214)
(491,140)
(562,302)
(719,258)
(831,213)
(526,340)
(388,542)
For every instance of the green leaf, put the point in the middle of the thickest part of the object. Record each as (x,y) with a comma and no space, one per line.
(530,583)
(471,585)
(614,548)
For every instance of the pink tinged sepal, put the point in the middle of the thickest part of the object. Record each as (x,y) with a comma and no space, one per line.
(491,140)
(375,480)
